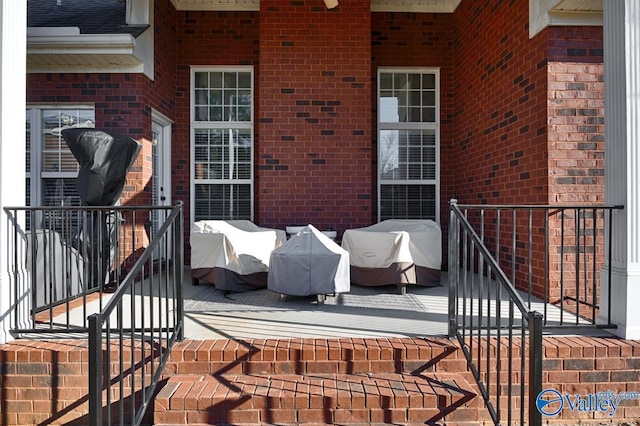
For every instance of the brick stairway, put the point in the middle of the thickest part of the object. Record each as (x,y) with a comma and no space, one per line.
(321,381)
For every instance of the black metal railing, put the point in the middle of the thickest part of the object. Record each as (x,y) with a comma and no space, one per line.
(109,274)
(514,270)
(130,340)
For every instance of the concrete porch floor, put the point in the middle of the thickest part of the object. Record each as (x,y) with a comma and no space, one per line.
(371,312)
(382,316)
(364,312)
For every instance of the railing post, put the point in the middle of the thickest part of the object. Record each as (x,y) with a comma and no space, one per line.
(454,252)
(178,266)
(535,366)
(95,370)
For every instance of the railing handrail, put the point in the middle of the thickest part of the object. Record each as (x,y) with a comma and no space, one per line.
(500,275)
(85,208)
(541,206)
(530,317)
(466,247)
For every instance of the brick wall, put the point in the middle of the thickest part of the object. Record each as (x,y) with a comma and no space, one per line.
(500,109)
(314,125)
(576,115)
(500,113)
(418,40)
(575,111)
(46,382)
(528,121)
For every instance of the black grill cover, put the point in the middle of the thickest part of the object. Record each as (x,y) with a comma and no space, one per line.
(104,157)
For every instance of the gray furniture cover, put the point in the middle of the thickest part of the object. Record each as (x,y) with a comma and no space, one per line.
(395,251)
(233,255)
(59,268)
(310,263)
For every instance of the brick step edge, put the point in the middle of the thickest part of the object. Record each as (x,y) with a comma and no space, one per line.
(333,399)
(312,356)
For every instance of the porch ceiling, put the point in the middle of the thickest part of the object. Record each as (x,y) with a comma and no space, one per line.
(579,6)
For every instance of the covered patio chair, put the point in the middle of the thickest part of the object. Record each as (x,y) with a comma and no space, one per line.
(399,252)
(233,255)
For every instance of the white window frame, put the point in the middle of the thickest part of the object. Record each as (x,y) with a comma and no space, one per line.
(196,125)
(435,126)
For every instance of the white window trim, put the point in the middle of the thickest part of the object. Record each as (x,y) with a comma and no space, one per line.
(411,126)
(161,120)
(219,125)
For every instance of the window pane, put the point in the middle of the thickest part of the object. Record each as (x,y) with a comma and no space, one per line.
(403,152)
(222,202)
(403,98)
(244,80)
(218,97)
(201,80)
(60,192)
(28,144)
(407,202)
(386,81)
(428,81)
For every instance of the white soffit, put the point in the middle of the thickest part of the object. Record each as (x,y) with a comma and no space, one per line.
(61,50)
(423,6)
(544,13)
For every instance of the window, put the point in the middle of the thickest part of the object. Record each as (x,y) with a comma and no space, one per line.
(408,144)
(222,143)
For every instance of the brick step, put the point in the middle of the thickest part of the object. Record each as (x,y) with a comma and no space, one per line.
(317,398)
(315,356)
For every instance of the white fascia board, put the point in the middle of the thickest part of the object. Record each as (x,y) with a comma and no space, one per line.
(115,68)
(542,15)
(585,18)
(81,44)
(138,55)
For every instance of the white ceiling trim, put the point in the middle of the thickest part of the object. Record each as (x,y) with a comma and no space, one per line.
(421,6)
(545,13)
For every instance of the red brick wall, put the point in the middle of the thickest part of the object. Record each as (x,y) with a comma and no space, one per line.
(500,112)
(418,40)
(576,115)
(576,148)
(314,148)
(528,120)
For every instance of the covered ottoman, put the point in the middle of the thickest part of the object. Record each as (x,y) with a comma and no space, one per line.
(309,263)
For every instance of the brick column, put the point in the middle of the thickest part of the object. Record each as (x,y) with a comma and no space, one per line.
(622,161)
(314,115)
(13,45)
